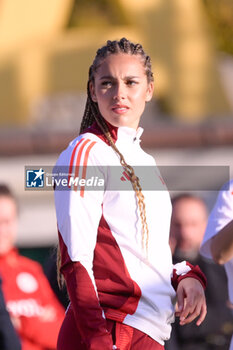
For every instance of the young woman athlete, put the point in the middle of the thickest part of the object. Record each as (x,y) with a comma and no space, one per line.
(114,249)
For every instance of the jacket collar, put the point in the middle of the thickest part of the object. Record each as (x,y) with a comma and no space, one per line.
(122,133)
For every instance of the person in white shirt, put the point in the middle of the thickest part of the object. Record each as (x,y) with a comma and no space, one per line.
(218,240)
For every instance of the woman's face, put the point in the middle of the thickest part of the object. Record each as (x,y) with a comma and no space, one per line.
(121,89)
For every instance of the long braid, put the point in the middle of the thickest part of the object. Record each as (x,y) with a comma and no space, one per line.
(92,113)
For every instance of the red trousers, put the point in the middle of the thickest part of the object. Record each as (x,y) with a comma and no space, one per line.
(125,337)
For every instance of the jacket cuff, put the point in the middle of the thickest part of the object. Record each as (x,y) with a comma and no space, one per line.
(194,272)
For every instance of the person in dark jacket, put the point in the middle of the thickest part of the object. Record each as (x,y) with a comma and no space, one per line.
(188,224)
(8,337)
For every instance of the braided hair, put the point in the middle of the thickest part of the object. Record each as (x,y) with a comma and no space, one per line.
(92,114)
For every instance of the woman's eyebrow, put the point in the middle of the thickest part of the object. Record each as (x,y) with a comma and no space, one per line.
(106,77)
(132,77)
(113,78)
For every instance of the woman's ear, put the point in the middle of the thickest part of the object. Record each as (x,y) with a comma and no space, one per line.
(92,91)
(149,92)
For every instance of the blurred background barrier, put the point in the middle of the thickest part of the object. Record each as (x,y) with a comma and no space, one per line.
(46,48)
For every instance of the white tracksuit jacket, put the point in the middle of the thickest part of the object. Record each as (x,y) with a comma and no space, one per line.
(108,273)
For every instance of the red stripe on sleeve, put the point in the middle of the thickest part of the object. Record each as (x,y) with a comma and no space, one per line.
(79,159)
(72,159)
(85,166)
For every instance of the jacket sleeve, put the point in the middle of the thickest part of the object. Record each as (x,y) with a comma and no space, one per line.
(44,328)
(79,211)
(8,337)
(219,217)
(184,270)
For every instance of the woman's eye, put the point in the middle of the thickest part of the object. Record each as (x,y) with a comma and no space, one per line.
(106,84)
(131,82)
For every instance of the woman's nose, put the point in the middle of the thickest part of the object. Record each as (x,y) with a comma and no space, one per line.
(119,92)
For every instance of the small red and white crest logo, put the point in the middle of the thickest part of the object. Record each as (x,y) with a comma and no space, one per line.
(125,176)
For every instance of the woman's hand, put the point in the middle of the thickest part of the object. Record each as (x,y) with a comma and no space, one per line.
(191,301)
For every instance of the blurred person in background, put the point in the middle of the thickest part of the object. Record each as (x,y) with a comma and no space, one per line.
(218,240)
(34,309)
(188,224)
(9,340)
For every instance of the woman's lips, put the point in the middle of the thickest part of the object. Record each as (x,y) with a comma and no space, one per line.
(120,109)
